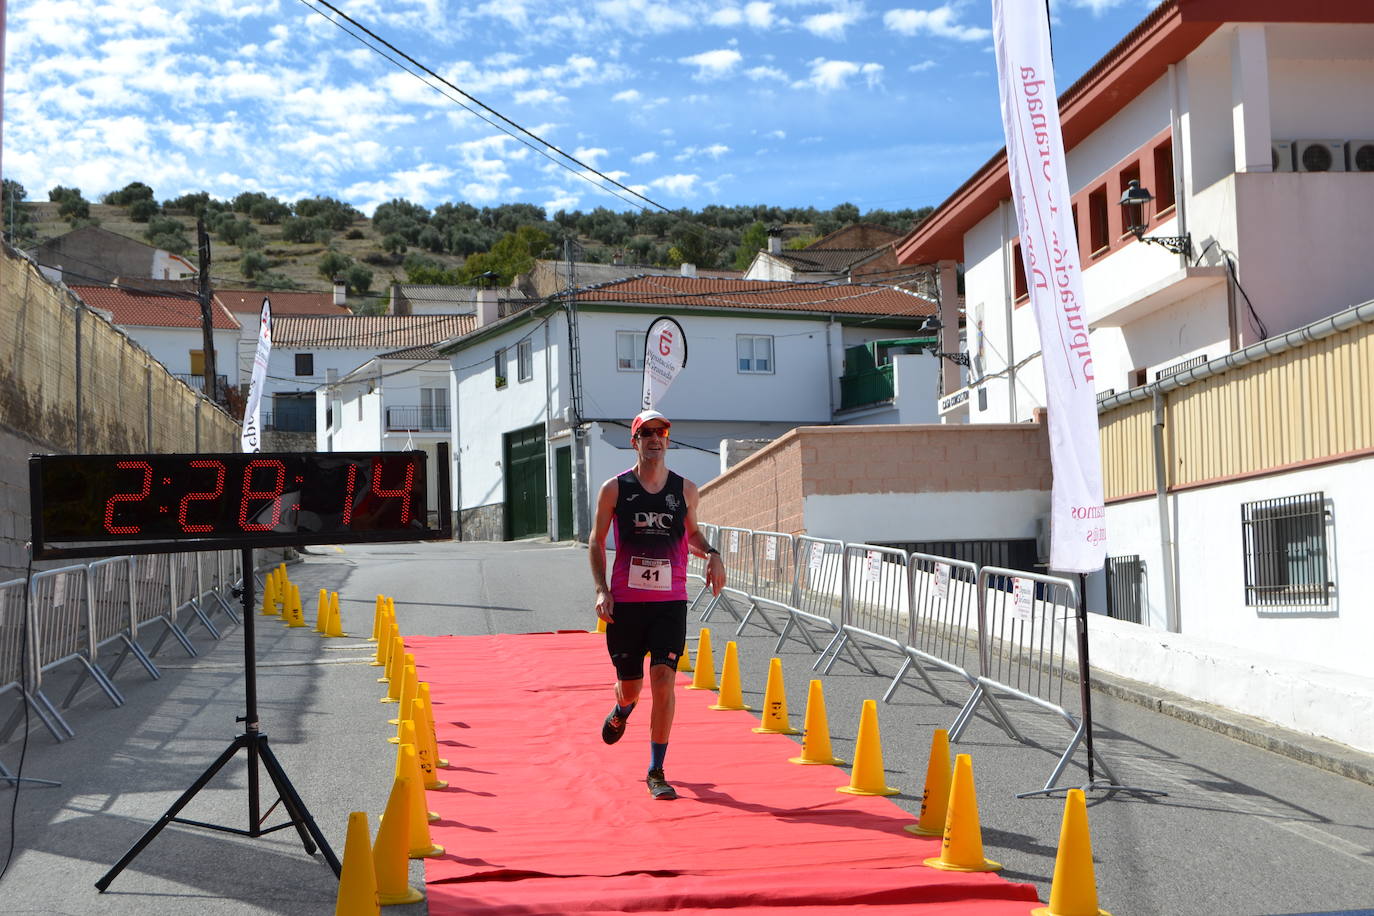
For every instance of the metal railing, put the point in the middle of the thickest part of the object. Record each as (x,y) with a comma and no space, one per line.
(417,419)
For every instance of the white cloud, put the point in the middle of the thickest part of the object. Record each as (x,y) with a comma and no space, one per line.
(832,24)
(628,95)
(644,158)
(589,155)
(922,66)
(646,15)
(563,202)
(713,64)
(758,74)
(714,151)
(777,134)
(539,97)
(681,185)
(727,16)
(834,75)
(941,22)
(755,15)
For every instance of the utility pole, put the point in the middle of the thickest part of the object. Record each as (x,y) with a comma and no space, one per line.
(206,321)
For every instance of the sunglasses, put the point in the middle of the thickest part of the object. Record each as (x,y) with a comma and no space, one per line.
(655,433)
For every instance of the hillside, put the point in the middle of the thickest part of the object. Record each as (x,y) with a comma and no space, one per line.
(258,241)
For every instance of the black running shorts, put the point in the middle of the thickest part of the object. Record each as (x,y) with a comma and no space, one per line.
(656,627)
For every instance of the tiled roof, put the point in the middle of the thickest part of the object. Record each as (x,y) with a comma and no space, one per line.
(764,295)
(284,302)
(424,351)
(368,332)
(466,295)
(828,260)
(136,309)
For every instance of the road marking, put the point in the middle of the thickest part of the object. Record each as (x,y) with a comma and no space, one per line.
(1329,840)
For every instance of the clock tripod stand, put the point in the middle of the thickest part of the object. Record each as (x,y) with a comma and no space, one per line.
(254,743)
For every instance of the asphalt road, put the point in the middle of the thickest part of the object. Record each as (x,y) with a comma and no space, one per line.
(1242,831)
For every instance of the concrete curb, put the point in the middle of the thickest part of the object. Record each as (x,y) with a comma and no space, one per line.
(1308,749)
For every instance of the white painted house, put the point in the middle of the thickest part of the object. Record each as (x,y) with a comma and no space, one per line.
(1251,126)
(762,358)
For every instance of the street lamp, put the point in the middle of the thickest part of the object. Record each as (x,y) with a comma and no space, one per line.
(1133,202)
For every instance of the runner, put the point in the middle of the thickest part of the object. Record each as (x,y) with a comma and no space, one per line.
(645,605)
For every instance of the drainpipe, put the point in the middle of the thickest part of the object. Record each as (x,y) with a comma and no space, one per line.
(1008,299)
(830,367)
(1166,528)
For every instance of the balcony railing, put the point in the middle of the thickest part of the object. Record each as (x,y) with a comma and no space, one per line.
(197,382)
(871,386)
(417,419)
(288,421)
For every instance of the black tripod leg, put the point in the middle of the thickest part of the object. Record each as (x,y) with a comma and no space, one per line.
(172,812)
(296,808)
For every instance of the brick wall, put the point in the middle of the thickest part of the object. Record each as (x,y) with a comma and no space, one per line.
(768,489)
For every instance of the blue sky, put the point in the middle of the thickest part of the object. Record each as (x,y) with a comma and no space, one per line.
(790,102)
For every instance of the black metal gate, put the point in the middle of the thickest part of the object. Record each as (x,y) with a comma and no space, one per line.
(1125,588)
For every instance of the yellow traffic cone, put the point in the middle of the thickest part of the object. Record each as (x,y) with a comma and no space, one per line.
(962,849)
(269,594)
(334,626)
(322,611)
(430,732)
(283,589)
(378,616)
(775,720)
(704,677)
(358,878)
(409,680)
(816,735)
(868,776)
(383,651)
(389,856)
(600,625)
(935,799)
(421,846)
(684,661)
(295,614)
(412,731)
(395,669)
(408,736)
(1073,892)
(731,693)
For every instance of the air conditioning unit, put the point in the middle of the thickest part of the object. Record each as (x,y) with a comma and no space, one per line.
(1319,155)
(1282,154)
(1359,155)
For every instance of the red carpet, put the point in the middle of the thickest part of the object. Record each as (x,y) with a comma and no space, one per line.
(541,817)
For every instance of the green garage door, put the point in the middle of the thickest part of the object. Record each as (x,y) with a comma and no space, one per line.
(527,511)
(563,476)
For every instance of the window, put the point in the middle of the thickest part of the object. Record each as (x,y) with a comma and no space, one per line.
(1125,588)
(1018,270)
(198,361)
(500,364)
(524,360)
(1098,238)
(1163,189)
(293,412)
(434,408)
(629,351)
(754,352)
(1285,551)
(305,363)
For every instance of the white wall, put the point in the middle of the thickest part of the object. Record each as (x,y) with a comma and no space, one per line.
(172,347)
(876,517)
(1211,570)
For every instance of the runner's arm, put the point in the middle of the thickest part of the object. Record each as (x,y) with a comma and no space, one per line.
(596,546)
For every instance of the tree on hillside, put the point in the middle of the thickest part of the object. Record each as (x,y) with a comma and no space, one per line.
(143,209)
(694,243)
(307,229)
(18,223)
(168,234)
(514,254)
(134,190)
(253,264)
(750,243)
(196,204)
(71,206)
(335,214)
(334,264)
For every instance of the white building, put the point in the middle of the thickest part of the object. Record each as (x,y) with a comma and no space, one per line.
(1246,537)
(762,358)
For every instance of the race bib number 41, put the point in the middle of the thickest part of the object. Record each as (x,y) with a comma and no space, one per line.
(651,574)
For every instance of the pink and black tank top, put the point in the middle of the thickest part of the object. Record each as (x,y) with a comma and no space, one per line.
(650,541)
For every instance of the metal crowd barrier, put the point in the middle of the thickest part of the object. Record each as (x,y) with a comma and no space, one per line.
(875,604)
(933,611)
(1028,649)
(818,584)
(75,613)
(696,566)
(736,549)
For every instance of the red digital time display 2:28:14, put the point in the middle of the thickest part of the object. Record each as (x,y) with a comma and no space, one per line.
(233,495)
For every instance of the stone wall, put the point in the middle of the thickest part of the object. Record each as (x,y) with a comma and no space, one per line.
(72,383)
(484,523)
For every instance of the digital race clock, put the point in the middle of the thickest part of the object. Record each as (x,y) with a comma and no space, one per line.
(229,500)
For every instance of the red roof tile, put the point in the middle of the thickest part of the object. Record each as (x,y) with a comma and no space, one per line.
(284,302)
(763,295)
(368,332)
(136,309)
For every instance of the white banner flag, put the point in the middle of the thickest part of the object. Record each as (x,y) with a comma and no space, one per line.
(251,438)
(1049,249)
(665,354)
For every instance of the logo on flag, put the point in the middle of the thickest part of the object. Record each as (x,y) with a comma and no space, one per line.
(665,355)
(251,439)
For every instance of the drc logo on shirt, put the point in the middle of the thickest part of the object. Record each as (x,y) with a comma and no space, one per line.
(654,521)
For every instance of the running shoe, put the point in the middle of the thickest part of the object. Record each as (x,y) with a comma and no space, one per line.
(612,728)
(658,786)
